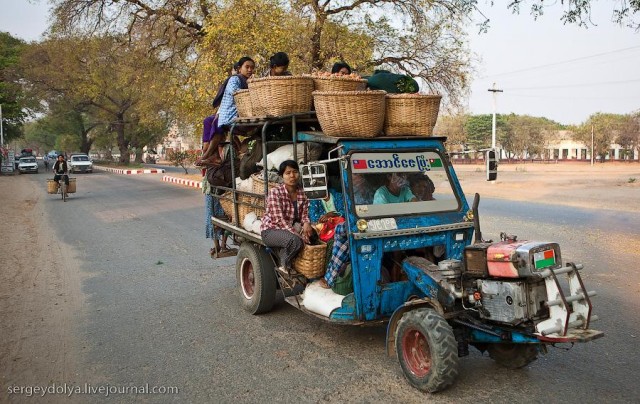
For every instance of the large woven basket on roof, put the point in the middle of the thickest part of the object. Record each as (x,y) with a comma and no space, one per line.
(243,103)
(411,114)
(311,261)
(339,83)
(246,204)
(280,95)
(350,113)
(258,183)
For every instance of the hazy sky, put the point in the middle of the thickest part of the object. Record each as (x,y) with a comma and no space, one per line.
(545,68)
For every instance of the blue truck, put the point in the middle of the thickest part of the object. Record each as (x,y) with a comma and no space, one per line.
(421,267)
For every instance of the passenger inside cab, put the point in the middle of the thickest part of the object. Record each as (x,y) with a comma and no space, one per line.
(396,190)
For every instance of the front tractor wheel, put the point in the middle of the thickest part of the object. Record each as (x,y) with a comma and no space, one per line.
(256,278)
(427,350)
(513,356)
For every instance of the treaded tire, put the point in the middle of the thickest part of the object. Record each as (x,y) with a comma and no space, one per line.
(427,350)
(513,356)
(256,278)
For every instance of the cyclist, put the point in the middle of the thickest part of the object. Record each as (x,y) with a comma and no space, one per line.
(60,169)
(45,159)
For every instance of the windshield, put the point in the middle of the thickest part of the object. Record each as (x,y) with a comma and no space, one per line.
(27,160)
(79,158)
(395,184)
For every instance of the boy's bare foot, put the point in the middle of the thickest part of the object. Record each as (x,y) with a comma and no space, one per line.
(323,284)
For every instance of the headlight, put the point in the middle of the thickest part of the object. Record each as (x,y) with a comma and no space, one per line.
(362,225)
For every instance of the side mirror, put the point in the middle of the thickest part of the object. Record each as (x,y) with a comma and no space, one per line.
(492,165)
(314,180)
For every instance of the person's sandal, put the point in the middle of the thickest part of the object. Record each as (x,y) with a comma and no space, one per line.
(227,252)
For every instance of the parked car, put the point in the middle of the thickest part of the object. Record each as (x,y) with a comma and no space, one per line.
(80,163)
(24,153)
(27,165)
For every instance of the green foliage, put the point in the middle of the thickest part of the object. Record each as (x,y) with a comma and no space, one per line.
(605,128)
(524,136)
(11,96)
(184,159)
(478,130)
(631,180)
(101,85)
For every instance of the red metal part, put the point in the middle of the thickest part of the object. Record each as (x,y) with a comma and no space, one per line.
(416,352)
(500,257)
(247,279)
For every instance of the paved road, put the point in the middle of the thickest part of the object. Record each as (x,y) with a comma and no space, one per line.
(160,311)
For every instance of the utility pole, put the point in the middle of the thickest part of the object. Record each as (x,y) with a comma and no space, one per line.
(1,129)
(494,90)
(591,145)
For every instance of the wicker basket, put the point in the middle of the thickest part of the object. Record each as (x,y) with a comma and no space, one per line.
(350,113)
(411,114)
(52,187)
(243,103)
(71,189)
(244,206)
(311,261)
(280,95)
(339,83)
(258,183)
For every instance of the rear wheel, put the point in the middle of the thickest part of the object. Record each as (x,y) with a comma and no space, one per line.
(513,356)
(63,190)
(427,350)
(256,278)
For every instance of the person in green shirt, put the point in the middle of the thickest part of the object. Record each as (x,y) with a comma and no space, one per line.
(396,190)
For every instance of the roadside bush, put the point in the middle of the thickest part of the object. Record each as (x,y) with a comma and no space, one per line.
(184,159)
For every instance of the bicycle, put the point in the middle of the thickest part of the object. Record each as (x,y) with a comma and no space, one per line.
(62,187)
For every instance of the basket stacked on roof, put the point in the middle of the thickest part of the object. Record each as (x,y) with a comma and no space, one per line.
(243,103)
(350,113)
(411,114)
(324,81)
(280,95)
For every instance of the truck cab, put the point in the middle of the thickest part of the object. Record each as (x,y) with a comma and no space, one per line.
(418,261)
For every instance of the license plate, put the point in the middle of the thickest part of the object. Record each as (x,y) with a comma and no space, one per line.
(388,223)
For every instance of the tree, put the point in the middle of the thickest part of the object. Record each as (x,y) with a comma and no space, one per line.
(629,136)
(428,42)
(606,128)
(579,11)
(11,96)
(525,136)
(114,82)
(183,158)
(478,130)
(453,127)
(64,120)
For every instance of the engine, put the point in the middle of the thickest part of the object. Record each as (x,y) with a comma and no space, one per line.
(503,279)
(516,283)
(511,259)
(511,302)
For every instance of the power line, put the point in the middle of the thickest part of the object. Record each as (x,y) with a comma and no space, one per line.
(562,63)
(575,85)
(636,97)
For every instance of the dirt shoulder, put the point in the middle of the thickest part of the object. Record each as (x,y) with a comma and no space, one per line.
(40,291)
(613,186)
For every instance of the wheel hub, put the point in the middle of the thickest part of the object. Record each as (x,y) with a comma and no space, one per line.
(416,353)
(247,279)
